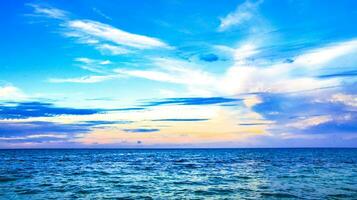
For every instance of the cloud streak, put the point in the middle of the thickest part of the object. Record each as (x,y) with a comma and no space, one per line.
(193,101)
(23,110)
(100,31)
(49,12)
(84,79)
(242,14)
(106,38)
(141,130)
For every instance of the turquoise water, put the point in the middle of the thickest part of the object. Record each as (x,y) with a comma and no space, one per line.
(178,174)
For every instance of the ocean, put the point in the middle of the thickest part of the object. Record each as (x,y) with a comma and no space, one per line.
(178,174)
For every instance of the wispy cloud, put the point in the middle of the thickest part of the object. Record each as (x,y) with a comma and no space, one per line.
(103,37)
(347,99)
(100,13)
(97,30)
(174,71)
(320,56)
(242,14)
(112,49)
(84,79)
(93,65)
(93,61)
(48,11)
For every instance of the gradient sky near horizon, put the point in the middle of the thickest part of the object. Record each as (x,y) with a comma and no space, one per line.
(178,73)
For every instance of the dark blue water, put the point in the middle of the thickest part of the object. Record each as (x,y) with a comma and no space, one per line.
(177,174)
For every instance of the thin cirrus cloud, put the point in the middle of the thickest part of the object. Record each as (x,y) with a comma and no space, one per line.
(97,30)
(112,49)
(49,12)
(103,37)
(242,14)
(84,79)
(92,65)
(173,71)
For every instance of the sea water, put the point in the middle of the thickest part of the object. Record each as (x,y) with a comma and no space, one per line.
(179,174)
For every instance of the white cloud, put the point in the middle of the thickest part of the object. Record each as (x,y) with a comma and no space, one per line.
(93,65)
(320,56)
(242,14)
(283,77)
(105,38)
(243,77)
(174,71)
(105,62)
(349,100)
(112,49)
(49,12)
(100,31)
(279,78)
(9,92)
(310,121)
(85,60)
(93,61)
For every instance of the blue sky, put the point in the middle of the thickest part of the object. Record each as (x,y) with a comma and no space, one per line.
(178,74)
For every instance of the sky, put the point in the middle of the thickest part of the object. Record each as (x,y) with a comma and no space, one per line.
(178,74)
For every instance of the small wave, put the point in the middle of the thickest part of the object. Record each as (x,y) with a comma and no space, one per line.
(180,161)
(339,196)
(222,191)
(28,191)
(204,192)
(7,179)
(278,195)
(243,177)
(191,166)
(45,184)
